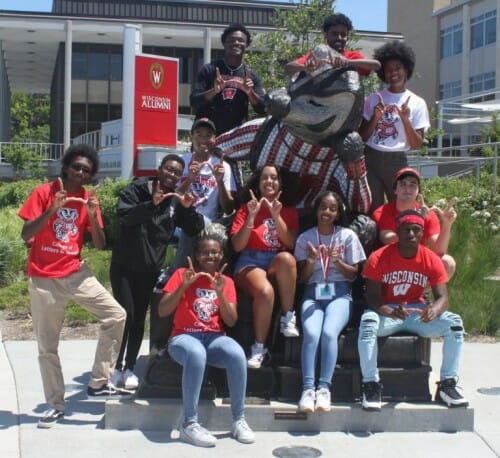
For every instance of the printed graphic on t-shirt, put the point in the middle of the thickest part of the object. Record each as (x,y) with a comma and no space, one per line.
(270,234)
(202,187)
(64,225)
(386,127)
(204,304)
(402,281)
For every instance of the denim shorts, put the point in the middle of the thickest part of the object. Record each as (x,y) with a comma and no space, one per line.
(254,258)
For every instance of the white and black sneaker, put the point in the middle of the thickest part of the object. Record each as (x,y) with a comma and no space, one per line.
(446,393)
(371,396)
(107,389)
(50,418)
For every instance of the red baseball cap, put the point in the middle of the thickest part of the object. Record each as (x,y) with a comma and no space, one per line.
(406,171)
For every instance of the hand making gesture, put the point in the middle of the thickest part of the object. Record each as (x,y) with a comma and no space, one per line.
(218,82)
(449,214)
(378,110)
(404,110)
(159,196)
(61,198)
(274,206)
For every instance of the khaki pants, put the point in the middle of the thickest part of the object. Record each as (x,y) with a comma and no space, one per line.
(49,297)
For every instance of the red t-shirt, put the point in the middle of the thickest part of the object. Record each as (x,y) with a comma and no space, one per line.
(404,279)
(385,217)
(351,55)
(264,235)
(55,250)
(198,309)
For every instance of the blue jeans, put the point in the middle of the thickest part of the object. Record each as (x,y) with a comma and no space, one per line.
(185,246)
(447,325)
(193,352)
(323,319)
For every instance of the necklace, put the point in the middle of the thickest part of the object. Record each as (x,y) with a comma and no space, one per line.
(232,70)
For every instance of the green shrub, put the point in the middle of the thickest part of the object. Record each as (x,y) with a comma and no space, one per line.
(15,297)
(15,193)
(25,163)
(108,197)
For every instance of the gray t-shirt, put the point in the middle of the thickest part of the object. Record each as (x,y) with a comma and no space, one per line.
(345,240)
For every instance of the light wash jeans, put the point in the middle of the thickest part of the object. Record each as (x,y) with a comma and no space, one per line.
(447,325)
(193,352)
(323,319)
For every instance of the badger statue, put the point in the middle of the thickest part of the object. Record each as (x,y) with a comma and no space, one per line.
(310,131)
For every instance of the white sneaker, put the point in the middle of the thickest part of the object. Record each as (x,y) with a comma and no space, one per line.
(242,432)
(323,400)
(288,326)
(195,434)
(306,403)
(130,380)
(257,358)
(116,379)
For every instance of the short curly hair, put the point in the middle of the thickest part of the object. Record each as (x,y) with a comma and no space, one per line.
(336,19)
(233,28)
(81,150)
(395,50)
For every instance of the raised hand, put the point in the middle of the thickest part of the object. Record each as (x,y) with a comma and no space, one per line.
(189,276)
(248,83)
(449,215)
(312,252)
(159,196)
(379,108)
(405,109)
(424,209)
(92,202)
(217,280)
(274,206)
(253,205)
(219,81)
(312,63)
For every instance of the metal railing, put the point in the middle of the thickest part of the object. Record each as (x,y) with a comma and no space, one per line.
(46,151)
(458,161)
(90,138)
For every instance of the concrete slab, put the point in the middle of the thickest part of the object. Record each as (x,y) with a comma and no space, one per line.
(166,414)
(82,433)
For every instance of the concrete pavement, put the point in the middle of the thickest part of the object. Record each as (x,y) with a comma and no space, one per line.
(82,433)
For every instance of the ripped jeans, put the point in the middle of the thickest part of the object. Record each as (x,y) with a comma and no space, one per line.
(447,325)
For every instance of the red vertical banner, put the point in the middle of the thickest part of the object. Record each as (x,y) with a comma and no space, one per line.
(156,102)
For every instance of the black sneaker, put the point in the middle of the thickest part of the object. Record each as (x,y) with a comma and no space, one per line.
(446,393)
(371,397)
(105,390)
(50,418)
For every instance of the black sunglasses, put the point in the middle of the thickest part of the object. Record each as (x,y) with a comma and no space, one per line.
(81,168)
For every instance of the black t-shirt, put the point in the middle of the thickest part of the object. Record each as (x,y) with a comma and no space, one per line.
(229,108)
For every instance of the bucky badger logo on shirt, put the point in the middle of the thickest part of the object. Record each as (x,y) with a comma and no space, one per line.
(204,305)
(64,224)
(270,234)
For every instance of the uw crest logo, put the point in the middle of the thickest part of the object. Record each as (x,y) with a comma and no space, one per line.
(156,75)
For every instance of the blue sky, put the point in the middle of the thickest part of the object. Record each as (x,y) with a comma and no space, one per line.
(364,14)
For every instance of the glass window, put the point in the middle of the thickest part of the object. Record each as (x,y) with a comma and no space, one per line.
(97,112)
(483,30)
(98,66)
(448,90)
(79,66)
(115,67)
(482,82)
(451,40)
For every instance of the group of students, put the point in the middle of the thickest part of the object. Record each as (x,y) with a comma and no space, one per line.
(190,193)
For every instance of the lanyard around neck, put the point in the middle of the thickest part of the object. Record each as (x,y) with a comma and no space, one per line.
(324,257)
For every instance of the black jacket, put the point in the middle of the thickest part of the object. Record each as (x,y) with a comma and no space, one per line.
(146,230)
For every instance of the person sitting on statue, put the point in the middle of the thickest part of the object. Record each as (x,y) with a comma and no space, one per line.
(263,234)
(204,302)
(328,257)
(396,277)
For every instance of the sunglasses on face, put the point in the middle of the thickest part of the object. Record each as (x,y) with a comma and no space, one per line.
(81,168)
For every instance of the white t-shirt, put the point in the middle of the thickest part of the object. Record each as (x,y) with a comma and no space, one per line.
(204,186)
(345,241)
(389,134)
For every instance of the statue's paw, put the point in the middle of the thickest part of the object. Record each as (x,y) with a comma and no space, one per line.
(349,148)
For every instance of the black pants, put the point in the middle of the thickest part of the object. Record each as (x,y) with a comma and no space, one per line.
(133,291)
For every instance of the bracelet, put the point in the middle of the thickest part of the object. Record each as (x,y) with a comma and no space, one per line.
(248,226)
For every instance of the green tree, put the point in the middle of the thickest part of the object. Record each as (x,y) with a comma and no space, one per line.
(30,118)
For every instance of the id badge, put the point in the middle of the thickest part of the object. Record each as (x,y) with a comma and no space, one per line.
(325,290)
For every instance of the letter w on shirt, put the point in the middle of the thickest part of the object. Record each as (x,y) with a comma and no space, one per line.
(401,290)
